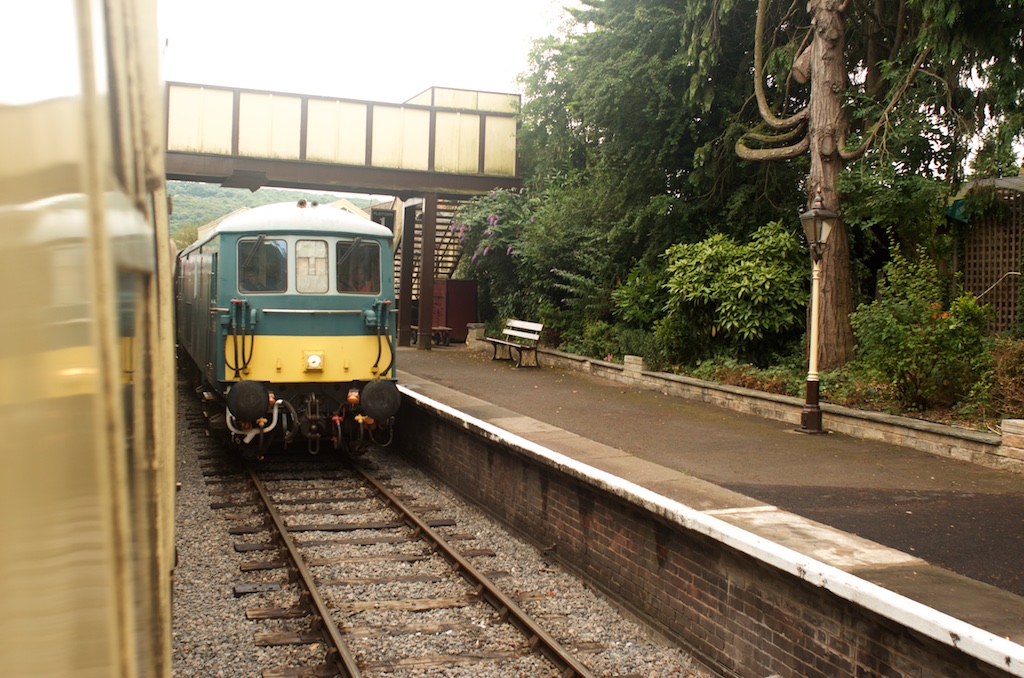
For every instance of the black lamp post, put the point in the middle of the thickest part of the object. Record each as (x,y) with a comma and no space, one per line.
(817,222)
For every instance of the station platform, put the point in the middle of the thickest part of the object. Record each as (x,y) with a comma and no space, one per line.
(940,532)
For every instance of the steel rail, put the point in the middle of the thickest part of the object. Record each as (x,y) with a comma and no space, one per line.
(507,608)
(328,629)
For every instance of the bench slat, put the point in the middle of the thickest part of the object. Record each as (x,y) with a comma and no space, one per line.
(523,335)
(524,325)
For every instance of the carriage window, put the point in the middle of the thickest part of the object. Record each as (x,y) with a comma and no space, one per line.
(359,267)
(262,265)
(311,266)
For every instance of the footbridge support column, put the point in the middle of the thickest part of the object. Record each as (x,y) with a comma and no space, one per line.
(427,272)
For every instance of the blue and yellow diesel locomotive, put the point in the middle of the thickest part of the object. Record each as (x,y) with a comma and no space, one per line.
(286,314)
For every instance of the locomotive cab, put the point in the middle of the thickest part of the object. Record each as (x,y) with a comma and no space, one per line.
(287,312)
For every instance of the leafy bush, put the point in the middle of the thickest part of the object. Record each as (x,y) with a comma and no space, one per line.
(490,229)
(632,341)
(782,379)
(929,354)
(1007,393)
(640,300)
(597,340)
(536,256)
(858,389)
(744,300)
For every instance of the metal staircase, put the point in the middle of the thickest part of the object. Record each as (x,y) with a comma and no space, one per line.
(447,249)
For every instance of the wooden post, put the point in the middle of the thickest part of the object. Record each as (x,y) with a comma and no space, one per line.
(405,280)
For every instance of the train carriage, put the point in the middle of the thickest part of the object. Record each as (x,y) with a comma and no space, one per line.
(86,344)
(285,315)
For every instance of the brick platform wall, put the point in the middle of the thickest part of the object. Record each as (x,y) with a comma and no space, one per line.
(738,615)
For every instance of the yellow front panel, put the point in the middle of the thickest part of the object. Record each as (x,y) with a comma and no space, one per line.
(269,125)
(199,119)
(282,359)
(336,132)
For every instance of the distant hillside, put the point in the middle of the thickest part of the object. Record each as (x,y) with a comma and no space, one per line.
(195,204)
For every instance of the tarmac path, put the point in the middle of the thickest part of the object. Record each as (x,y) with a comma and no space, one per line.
(956,515)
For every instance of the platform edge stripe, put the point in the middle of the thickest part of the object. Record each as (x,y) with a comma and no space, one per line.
(998,652)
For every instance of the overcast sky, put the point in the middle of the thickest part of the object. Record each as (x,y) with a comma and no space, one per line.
(380,50)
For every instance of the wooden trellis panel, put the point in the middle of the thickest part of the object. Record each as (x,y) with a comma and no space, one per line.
(992,250)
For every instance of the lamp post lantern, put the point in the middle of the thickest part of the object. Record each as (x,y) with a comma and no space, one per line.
(817,223)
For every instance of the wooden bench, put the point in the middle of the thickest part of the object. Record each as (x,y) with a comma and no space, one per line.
(439,335)
(519,337)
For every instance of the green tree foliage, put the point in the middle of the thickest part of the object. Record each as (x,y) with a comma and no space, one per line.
(921,78)
(642,102)
(573,256)
(490,231)
(627,150)
(742,300)
(196,204)
(886,206)
(978,49)
(185,235)
(924,77)
(627,144)
(930,351)
(531,261)
(996,157)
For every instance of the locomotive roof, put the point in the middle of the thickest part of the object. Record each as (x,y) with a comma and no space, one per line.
(291,217)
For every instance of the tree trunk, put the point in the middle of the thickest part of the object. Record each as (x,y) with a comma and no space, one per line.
(827,129)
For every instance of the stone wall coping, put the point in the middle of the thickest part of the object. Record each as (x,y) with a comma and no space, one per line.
(597,366)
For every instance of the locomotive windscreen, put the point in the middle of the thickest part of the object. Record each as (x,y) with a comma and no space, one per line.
(359,267)
(263,265)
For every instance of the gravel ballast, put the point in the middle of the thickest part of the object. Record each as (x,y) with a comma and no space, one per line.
(213,638)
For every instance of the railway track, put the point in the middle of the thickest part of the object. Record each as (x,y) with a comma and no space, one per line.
(352,578)
(368,562)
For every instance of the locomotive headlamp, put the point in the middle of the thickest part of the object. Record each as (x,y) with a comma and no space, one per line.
(314,361)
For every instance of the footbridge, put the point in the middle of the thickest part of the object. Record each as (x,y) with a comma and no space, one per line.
(439,147)
(444,141)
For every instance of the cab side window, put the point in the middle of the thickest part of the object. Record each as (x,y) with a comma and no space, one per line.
(262,265)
